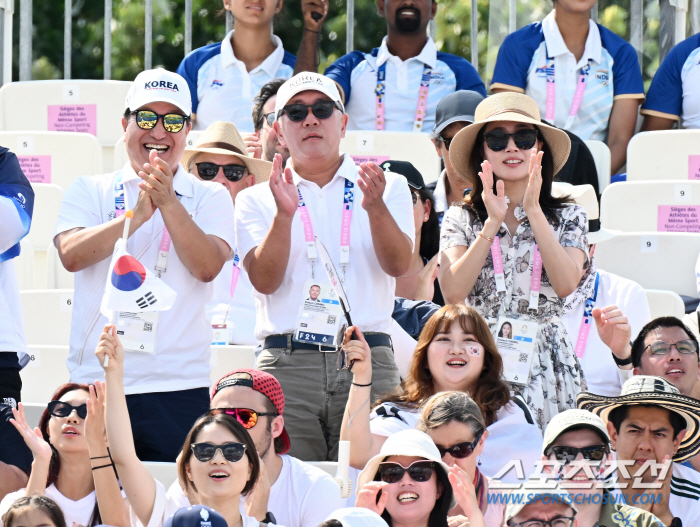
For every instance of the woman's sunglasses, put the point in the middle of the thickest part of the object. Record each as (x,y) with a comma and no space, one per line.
(204,452)
(567,454)
(419,471)
(247,417)
(497,140)
(172,122)
(61,409)
(298,112)
(460,450)
(207,171)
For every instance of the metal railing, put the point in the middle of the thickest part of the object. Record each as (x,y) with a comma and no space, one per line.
(672,24)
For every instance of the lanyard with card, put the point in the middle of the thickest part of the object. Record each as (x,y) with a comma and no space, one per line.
(497,258)
(587,321)
(137,331)
(421,106)
(223,331)
(516,341)
(578,94)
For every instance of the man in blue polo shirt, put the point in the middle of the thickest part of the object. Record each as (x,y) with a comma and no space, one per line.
(398,85)
(584,78)
(675,90)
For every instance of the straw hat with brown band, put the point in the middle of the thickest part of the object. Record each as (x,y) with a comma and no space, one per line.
(506,106)
(222,137)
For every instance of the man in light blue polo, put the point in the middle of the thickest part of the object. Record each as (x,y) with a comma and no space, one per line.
(397,86)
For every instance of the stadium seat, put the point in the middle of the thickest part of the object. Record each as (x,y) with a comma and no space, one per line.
(47,316)
(120,156)
(47,202)
(166,473)
(663,260)
(55,157)
(380,146)
(601,156)
(668,154)
(32,412)
(228,358)
(56,275)
(664,206)
(664,304)
(45,372)
(329,467)
(24,265)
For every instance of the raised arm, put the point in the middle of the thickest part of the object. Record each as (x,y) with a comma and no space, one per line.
(314,12)
(138,484)
(41,450)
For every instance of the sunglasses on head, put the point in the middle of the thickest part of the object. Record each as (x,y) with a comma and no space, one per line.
(298,112)
(684,347)
(419,471)
(524,139)
(61,409)
(460,450)
(567,454)
(208,171)
(247,417)
(232,451)
(172,122)
(270,118)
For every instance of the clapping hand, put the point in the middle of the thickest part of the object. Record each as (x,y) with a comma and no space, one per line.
(158,181)
(531,200)
(283,188)
(41,449)
(496,204)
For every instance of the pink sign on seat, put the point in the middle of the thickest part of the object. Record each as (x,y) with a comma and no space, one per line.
(674,218)
(36,168)
(73,118)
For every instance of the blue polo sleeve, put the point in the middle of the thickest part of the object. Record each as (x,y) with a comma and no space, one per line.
(465,73)
(515,56)
(626,73)
(341,71)
(190,65)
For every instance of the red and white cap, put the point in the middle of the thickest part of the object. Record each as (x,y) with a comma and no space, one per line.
(159,85)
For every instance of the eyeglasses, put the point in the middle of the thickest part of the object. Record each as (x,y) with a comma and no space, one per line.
(419,471)
(414,198)
(461,450)
(446,140)
(247,417)
(270,118)
(61,409)
(208,171)
(298,112)
(685,347)
(561,521)
(172,122)
(204,452)
(497,140)
(567,454)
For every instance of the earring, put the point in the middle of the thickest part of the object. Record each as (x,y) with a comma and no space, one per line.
(479,462)
(425,218)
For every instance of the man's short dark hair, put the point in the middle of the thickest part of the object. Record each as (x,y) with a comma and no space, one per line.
(272,409)
(266,92)
(638,345)
(331,523)
(619,414)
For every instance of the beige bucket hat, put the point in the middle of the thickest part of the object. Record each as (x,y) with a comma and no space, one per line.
(222,137)
(506,106)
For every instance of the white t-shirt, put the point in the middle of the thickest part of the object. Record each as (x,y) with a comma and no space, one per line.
(183,334)
(511,436)
(602,374)
(302,495)
(369,289)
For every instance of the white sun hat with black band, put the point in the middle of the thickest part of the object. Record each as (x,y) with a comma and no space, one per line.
(657,391)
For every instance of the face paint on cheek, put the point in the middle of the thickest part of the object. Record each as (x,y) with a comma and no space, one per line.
(475,351)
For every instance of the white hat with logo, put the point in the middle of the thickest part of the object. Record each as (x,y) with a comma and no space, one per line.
(159,85)
(305,81)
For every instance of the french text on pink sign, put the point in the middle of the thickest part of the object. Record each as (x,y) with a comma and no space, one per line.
(693,167)
(73,118)
(370,159)
(36,168)
(674,218)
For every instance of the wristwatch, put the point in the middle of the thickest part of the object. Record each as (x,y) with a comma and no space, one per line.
(623,362)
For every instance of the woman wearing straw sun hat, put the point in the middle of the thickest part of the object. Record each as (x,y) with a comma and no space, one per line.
(509,226)
(220,156)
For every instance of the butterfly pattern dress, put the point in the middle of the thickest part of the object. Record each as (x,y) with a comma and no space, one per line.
(556,376)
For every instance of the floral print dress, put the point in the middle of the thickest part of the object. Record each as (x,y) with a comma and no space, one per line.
(556,377)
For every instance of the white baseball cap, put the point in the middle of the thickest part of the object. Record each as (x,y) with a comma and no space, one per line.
(159,85)
(357,517)
(573,418)
(305,81)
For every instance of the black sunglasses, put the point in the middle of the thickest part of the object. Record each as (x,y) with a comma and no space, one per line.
(567,454)
(461,450)
(419,471)
(61,409)
(208,171)
(298,112)
(446,140)
(270,118)
(247,417)
(204,452)
(172,122)
(497,140)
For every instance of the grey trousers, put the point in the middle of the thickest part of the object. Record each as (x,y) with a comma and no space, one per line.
(315,395)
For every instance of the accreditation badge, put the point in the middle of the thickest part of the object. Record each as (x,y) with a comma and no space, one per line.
(137,331)
(320,314)
(515,340)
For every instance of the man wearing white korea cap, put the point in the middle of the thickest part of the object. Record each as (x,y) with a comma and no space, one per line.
(176,232)
(364,218)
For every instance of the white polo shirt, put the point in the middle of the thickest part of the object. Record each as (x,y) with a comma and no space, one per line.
(356,74)
(369,289)
(223,89)
(184,334)
(675,88)
(614,73)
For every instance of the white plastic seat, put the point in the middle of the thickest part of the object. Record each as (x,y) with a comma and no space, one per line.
(663,155)
(32,412)
(166,473)
(67,155)
(602,158)
(634,206)
(24,265)
(416,148)
(228,358)
(47,316)
(664,304)
(47,202)
(45,372)
(663,260)
(120,158)
(329,467)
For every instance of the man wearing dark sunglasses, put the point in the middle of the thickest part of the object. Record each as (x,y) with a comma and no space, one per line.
(176,231)
(322,193)
(264,143)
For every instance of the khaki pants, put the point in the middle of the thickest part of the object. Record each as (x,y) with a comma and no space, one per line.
(315,395)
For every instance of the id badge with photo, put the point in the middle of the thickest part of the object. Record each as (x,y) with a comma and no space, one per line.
(137,331)
(320,315)
(515,340)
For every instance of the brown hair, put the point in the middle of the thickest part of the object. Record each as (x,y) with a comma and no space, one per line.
(238,431)
(445,407)
(47,505)
(491,392)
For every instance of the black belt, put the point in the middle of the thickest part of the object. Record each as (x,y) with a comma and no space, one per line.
(283,341)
